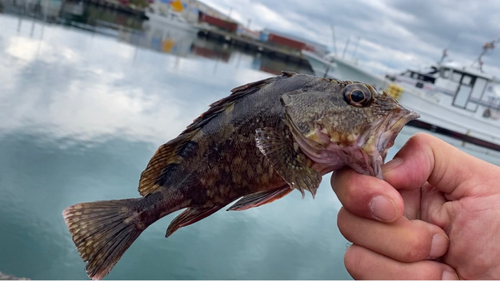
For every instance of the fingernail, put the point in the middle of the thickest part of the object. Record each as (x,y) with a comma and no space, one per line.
(448,275)
(392,164)
(383,209)
(439,245)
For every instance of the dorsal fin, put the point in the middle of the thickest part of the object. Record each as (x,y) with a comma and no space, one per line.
(168,153)
(165,155)
(221,105)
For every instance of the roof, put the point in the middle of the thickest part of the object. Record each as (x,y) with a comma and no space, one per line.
(467,69)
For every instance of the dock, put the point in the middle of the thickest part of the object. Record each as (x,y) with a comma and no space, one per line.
(249,44)
(113,5)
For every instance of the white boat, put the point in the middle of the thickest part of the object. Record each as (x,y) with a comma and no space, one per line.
(334,67)
(321,66)
(158,15)
(459,98)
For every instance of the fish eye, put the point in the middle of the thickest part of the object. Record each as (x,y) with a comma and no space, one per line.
(358,96)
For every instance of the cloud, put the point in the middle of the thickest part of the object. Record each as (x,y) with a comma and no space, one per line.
(416,31)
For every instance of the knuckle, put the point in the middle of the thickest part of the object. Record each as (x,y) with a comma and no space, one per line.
(416,250)
(418,246)
(343,223)
(353,262)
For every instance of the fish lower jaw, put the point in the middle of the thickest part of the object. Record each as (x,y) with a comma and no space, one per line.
(381,139)
(331,156)
(335,157)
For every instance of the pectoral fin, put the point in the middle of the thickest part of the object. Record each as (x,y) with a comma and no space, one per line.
(260,198)
(290,164)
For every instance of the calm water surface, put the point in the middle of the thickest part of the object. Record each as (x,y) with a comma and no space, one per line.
(82,114)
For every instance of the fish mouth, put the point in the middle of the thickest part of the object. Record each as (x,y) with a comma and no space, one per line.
(378,141)
(366,155)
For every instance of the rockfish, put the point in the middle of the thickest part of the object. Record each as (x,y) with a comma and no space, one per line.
(256,145)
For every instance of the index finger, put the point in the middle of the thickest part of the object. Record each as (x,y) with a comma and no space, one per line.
(367,196)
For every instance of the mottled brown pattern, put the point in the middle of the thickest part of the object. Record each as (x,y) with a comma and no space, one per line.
(218,160)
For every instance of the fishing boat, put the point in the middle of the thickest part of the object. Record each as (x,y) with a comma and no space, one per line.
(454,97)
(322,67)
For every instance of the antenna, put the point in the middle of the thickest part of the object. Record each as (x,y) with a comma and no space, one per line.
(445,54)
(334,42)
(487,46)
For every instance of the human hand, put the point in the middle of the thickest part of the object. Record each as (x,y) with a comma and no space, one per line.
(436,215)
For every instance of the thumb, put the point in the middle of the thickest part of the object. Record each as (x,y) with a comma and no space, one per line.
(425,158)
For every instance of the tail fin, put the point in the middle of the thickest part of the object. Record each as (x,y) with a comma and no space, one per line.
(102,231)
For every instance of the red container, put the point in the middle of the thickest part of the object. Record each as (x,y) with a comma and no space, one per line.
(284,41)
(220,23)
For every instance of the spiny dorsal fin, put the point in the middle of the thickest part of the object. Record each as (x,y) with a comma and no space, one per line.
(164,156)
(222,104)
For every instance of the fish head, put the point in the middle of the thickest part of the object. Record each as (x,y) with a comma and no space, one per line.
(345,124)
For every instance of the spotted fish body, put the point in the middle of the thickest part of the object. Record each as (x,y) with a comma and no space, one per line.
(256,145)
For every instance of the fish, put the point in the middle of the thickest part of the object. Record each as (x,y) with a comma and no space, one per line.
(256,145)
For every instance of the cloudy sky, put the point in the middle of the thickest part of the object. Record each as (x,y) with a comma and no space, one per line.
(394,34)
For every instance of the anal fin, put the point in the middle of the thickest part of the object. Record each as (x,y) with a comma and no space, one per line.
(190,216)
(260,198)
(291,165)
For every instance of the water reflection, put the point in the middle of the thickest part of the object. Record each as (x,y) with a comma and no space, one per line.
(86,87)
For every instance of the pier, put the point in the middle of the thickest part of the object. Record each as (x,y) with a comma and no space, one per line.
(250,44)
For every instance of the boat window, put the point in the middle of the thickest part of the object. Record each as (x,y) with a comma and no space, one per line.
(428,79)
(456,76)
(446,73)
(467,80)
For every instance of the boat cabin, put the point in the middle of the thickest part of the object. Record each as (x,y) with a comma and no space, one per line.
(428,77)
(467,86)
(424,79)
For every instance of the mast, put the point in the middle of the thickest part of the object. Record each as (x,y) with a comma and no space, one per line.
(356,49)
(487,46)
(346,46)
(334,42)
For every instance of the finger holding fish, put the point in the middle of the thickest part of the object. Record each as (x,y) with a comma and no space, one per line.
(366,196)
